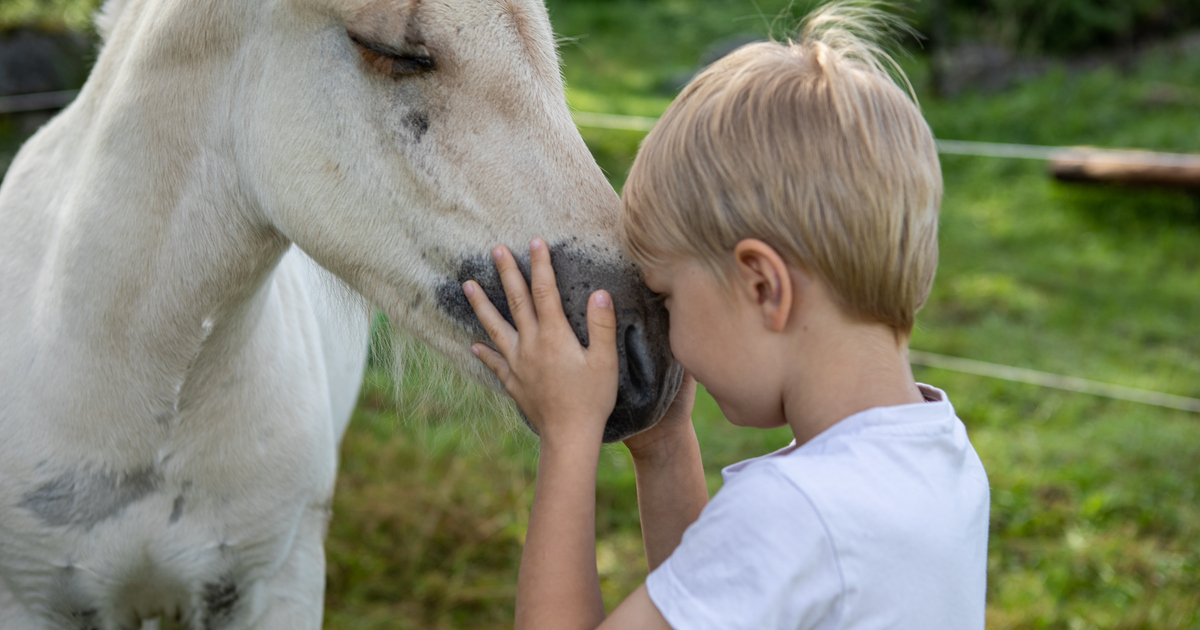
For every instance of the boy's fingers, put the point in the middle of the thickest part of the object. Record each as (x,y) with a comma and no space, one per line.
(515,289)
(685,398)
(498,330)
(545,291)
(493,360)
(602,323)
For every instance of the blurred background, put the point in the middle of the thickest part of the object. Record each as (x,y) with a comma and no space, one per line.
(1095,502)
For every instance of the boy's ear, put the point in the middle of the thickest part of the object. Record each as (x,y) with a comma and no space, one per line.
(766,279)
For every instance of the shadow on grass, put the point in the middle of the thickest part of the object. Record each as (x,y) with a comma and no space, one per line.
(1127,209)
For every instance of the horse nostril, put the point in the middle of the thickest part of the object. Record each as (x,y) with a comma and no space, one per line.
(638,362)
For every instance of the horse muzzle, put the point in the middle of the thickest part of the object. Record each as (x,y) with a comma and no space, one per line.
(649,374)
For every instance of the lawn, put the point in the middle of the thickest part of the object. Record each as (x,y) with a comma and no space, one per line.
(1096,503)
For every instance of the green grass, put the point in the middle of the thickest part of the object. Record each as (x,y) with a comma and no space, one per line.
(432,507)
(52,15)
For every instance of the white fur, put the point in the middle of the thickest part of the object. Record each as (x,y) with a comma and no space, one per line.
(175,372)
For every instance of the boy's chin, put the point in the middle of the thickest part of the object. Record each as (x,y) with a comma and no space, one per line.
(750,419)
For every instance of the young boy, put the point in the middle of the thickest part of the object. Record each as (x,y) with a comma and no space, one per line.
(786,208)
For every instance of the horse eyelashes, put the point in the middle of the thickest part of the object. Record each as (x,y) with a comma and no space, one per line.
(388,60)
(412,65)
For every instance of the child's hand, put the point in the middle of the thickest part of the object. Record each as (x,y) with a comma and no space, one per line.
(565,390)
(676,424)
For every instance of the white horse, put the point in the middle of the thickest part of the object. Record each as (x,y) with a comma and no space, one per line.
(176,371)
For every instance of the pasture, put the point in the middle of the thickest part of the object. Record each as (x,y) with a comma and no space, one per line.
(1095,503)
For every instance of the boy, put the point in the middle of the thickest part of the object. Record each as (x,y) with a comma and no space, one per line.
(785,207)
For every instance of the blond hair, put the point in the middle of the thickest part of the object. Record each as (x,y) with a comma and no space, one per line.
(809,146)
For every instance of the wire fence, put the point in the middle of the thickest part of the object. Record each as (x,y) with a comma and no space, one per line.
(1010,151)
(1054,381)
(56,100)
(959,147)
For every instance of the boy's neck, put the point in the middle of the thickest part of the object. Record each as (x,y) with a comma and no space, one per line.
(842,367)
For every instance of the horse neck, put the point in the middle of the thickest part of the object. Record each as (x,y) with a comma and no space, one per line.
(159,251)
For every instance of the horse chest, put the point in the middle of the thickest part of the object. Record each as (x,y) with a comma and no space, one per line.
(189,517)
(112,552)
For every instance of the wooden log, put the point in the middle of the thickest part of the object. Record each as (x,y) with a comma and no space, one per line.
(1131,168)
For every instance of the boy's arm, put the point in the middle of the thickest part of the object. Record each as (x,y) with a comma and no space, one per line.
(670,477)
(557,586)
(566,392)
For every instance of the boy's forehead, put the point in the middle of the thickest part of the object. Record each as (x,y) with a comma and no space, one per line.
(663,275)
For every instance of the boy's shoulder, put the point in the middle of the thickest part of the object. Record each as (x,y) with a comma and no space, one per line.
(884,461)
(885,515)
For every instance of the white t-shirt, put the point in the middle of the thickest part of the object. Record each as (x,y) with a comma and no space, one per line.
(879,522)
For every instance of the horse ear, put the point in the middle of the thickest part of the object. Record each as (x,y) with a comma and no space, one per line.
(106,18)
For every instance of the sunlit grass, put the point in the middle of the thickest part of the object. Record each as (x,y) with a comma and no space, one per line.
(51,15)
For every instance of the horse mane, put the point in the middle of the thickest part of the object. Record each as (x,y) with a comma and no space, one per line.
(424,386)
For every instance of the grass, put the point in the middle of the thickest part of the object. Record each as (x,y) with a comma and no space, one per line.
(52,15)
(1096,503)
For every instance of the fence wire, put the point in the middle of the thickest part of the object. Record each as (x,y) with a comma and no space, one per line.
(959,147)
(56,100)
(1054,381)
(1010,151)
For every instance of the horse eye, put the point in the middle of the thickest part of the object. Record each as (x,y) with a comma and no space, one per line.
(390,61)
(413,64)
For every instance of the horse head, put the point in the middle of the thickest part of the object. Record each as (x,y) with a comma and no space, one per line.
(397,141)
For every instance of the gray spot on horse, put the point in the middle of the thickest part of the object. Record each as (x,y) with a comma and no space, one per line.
(418,122)
(85,499)
(86,619)
(220,602)
(70,604)
(177,509)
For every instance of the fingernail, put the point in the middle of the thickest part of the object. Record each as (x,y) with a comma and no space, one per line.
(469,288)
(603,300)
(475,350)
(498,253)
(536,244)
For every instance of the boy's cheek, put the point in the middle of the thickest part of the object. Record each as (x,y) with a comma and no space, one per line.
(684,355)
(678,348)
(692,354)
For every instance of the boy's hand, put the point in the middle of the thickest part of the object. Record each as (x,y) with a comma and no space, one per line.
(670,476)
(676,425)
(562,387)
